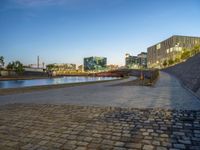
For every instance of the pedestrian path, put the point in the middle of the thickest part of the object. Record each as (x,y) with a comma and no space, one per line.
(167,93)
(73,127)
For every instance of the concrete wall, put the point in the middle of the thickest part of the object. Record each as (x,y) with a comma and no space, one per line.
(7,73)
(188,72)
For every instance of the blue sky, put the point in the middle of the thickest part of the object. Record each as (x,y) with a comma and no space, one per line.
(65,31)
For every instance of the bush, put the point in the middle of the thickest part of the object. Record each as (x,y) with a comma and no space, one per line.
(165,63)
(170,62)
(185,55)
(177,60)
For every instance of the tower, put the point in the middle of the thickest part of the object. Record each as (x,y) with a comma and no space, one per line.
(38,61)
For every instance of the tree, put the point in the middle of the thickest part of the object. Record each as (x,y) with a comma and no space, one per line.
(177,60)
(195,49)
(50,66)
(185,54)
(10,66)
(1,61)
(170,61)
(17,66)
(165,63)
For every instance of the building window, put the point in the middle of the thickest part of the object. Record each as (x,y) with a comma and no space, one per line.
(158,46)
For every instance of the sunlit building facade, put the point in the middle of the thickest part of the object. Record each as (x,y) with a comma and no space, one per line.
(95,63)
(64,67)
(169,49)
(112,67)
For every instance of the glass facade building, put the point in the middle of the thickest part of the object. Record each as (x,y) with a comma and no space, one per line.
(169,49)
(95,63)
(136,62)
(131,62)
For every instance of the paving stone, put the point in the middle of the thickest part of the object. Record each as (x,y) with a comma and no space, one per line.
(157,143)
(133,145)
(185,141)
(180,146)
(79,127)
(120,144)
(161,148)
(148,147)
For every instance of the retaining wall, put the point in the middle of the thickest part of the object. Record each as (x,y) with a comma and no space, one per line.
(188,73)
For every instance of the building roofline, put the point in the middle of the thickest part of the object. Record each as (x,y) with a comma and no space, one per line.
(96,56)
(172,37)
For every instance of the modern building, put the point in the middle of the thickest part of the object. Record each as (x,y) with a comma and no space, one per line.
(112,67)
(169,49)
(142,59)
(131,62)
(95,63)
(136,62)
(62,67)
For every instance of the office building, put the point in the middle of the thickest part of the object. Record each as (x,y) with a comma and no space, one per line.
(131,62)
(136,62)
(169,49)
(62,67)
(95,63)
(142,60)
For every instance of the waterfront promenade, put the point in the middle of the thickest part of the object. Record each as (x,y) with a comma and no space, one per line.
(166,93)
(103,116)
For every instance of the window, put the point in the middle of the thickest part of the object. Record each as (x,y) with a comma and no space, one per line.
(158,46)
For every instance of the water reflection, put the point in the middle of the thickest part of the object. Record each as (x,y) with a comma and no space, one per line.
(61,80)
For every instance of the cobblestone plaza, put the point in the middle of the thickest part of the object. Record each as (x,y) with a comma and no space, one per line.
(42,126)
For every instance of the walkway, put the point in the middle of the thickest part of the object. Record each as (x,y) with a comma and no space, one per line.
(68,127)
(76,127)
(167,93)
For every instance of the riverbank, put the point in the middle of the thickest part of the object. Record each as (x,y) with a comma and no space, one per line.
(8,78)
(48,87)
(166,93)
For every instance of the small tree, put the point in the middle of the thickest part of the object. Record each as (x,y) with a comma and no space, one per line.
(185,54)
(165,63)
(50,66)
(195,50)
(10,66)
(17,66)
(1,61)
(170,61)
(177,60)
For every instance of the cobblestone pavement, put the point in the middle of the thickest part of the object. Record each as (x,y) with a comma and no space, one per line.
(167,93)
(45,126)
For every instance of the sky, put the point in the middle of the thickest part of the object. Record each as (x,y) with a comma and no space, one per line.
(66,31)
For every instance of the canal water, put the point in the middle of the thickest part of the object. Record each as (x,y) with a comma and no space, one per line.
(50,81)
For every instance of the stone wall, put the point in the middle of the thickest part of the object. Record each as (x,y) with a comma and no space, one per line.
(7,73)
(188,73)
(10,73)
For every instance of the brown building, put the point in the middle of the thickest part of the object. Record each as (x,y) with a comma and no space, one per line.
(169,49)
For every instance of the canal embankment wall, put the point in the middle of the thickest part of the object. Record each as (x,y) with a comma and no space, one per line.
(188,73)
